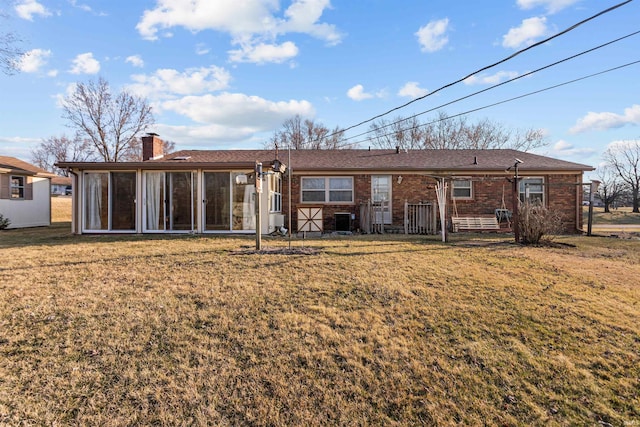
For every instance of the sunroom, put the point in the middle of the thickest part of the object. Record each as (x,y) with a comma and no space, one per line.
(174,201)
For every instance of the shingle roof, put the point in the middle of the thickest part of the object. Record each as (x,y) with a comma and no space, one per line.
(354,160)
(436,160)
(18,166)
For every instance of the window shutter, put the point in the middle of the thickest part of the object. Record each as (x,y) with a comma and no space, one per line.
(28,188)
(4,186)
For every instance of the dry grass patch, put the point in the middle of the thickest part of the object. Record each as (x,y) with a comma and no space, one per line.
(185,330)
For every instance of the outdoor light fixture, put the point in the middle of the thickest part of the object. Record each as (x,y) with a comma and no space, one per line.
(400,179)
(278,167)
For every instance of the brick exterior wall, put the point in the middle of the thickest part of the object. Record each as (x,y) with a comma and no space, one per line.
(152,147)
(561,193)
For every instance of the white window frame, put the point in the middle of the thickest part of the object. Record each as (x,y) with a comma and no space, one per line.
(20,187)
(455,187)
(533,181)
(327,190)
(275,205)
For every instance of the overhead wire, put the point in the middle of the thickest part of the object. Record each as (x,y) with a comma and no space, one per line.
(534,45)
(503,101)
(497,85)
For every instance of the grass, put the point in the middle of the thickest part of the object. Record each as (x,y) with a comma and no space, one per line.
(197,330)
(614,217)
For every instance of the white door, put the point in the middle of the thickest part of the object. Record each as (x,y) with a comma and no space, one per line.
(381,196)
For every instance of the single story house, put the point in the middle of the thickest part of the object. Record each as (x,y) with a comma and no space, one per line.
(214,191)
(61,186)
(25,193)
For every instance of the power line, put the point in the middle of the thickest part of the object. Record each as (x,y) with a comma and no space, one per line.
(508,100)
(499,84)
(571,28)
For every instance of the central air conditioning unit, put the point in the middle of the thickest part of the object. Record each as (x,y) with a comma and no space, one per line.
(275,221)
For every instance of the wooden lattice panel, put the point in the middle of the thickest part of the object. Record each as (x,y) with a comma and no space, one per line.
(310,219)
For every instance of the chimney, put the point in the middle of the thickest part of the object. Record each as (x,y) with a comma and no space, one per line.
(152,147)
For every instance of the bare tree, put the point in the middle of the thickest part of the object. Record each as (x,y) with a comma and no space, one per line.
(610,188)
(453,133)
(306,134)
(624,158)
(10,52)
(61,149)
(111,122)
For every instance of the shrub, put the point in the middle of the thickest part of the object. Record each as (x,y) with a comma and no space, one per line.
(4,222)
(537,223)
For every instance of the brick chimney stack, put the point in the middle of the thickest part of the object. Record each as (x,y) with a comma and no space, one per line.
(152,147)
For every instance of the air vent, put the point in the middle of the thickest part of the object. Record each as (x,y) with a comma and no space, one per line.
(181,158)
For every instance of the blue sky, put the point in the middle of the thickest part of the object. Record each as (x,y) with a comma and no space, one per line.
(227,73)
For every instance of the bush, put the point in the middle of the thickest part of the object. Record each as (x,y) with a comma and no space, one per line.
(4,222)
(537,223)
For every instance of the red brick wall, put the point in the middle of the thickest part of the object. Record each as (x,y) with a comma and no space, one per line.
(488,194)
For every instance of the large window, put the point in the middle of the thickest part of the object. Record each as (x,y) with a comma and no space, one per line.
(17,187)
(110,201)
(532,190)
(327,190)
(462,189)
(276,194)
(170,201)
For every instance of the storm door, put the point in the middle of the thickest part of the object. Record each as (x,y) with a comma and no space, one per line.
(381,196)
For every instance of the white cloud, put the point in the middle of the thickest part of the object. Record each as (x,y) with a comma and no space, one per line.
(552,6)
(606,120)
(26,9)
(32,61)
(412,90)
(238,110)
(622,145)
(166,82)
(52,73)
(135,60)
(254,26)
(492,79)
(202,49)
(563,148)
(432,36)
(262,53)
(357,93)
(526,33)
(85,63)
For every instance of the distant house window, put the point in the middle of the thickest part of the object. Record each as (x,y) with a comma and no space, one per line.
(327,190)
(462,189)
(17,187)
(532,190)
(276,194)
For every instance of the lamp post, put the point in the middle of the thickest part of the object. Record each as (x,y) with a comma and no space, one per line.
(593,189)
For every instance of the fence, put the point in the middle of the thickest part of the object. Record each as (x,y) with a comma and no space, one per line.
(419,218)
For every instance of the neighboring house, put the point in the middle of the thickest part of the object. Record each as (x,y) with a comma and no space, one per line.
(25,195)
(213,191)
(61,186)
